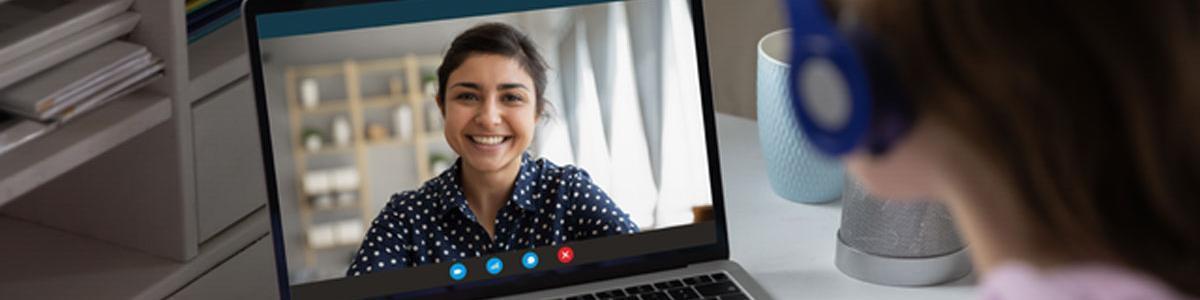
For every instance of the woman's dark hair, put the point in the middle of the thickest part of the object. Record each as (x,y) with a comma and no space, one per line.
(499,39)
(1091,109)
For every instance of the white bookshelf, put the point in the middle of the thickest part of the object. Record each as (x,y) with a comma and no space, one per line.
(138,142)
(77,142)
(403,90)
(216,60)
(106,206)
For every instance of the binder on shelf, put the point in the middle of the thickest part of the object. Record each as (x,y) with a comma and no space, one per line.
(206,16)
(29,64)
(29,25)
(210,13)
(193,5)
(206,29)
(39,96)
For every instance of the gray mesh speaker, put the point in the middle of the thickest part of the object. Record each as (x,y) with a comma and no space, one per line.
(904,243)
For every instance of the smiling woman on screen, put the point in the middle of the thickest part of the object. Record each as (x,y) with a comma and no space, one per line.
(495,198)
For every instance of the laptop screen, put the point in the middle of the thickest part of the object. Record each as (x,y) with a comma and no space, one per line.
(441,144)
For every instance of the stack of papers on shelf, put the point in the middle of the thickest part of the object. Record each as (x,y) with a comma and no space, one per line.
(38,34)
(82,83)
(206,16)
(62,58)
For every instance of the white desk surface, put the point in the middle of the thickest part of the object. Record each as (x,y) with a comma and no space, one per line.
(789,247)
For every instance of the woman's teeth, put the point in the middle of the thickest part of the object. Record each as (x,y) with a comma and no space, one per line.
(488,140)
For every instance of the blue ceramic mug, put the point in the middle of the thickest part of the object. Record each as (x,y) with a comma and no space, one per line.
(797,171)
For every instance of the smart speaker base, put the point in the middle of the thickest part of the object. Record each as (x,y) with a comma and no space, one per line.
(897,271)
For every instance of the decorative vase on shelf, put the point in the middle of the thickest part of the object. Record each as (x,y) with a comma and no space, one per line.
(317,183)
(309,93)
(403,120)
(376,132)
(341,131)
(323,201)
(349,231)
(312,143)
(321,236)
(796,171)
(312,139)
(345,179)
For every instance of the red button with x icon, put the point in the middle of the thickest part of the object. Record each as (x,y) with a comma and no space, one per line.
(566,254)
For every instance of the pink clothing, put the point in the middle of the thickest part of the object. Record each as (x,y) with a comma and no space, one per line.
(1013,281)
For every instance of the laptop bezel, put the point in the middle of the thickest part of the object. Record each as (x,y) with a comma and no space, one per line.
(663,260)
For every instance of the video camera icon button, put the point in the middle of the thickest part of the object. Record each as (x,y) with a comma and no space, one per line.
(494,266)
(458,271)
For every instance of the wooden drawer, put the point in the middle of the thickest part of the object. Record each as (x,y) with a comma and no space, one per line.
(229,169)
(248,275)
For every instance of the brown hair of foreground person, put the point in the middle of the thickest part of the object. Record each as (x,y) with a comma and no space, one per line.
(1090,109)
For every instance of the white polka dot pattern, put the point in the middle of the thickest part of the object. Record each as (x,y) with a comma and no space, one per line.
(550,205)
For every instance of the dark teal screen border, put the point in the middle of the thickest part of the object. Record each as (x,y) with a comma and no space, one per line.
(318,20)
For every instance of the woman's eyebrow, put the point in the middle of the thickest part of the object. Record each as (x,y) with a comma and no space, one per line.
(470,85)
(505,86)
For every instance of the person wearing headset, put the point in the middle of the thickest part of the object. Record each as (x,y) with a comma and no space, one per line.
(1063,136)
(495,197)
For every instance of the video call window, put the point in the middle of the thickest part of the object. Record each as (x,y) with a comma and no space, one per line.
(424,143)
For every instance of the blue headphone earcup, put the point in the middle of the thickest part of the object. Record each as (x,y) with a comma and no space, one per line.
(845,92)
(830,91)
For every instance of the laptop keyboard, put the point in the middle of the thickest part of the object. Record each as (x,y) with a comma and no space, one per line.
(716,286)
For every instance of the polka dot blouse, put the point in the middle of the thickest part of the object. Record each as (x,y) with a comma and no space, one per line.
(550,205)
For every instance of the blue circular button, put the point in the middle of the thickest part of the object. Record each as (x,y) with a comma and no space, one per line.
(529,260)
(494,266)
(458,271)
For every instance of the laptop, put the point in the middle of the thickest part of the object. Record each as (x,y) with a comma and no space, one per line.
(466,149)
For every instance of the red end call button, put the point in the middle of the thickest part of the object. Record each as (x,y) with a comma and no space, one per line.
(566,254)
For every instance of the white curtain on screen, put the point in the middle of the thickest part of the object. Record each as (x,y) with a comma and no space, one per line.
(683,140)
(583,108)
(553,138)
(633,186)
(624,76)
